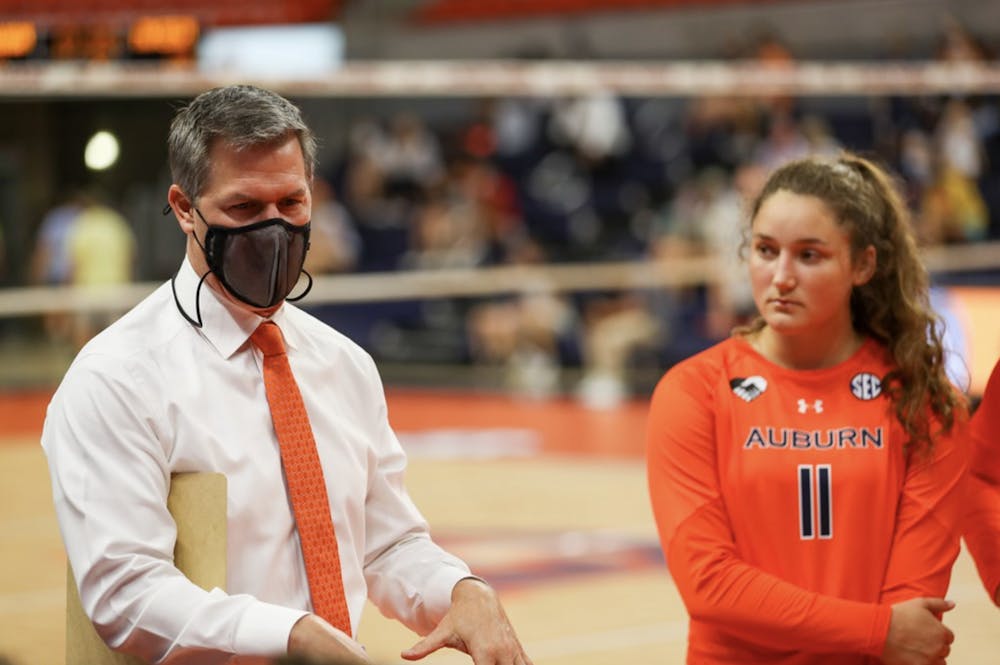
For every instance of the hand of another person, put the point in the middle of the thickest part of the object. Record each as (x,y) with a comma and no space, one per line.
(916,635)
(475,624)
(315,640)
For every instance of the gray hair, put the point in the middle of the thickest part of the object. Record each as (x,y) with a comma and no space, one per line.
(243,116)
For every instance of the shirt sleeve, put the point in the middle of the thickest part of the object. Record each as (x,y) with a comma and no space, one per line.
(984,431)
(925,542)
(716,585)
(410,578)
(110,480)
(982,522)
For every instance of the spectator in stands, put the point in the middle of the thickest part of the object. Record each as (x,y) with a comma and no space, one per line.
(821,141)
(50,259)
(410,155)
(945,168)
(784,142)
(334,244)
(614,327)
(953,202)
(522,334)
(958,44)
(100,246)
(729,301)
(446,232)
(768,50)
(101,253)
(592,125)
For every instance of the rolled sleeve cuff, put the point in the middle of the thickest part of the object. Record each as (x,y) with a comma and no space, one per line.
(264,630)
(437,598)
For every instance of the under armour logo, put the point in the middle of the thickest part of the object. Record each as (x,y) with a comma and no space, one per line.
(750,388)
(816,406)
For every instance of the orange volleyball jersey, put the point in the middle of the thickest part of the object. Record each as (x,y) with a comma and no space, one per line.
(790,516)
(982,532)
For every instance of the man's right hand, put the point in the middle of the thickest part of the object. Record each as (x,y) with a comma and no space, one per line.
(916,635)
(315,640)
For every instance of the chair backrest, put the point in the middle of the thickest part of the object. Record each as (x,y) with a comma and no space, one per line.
(197,502)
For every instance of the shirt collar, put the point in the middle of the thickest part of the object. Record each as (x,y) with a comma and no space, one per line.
(224,325)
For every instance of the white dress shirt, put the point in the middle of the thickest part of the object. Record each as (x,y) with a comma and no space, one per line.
(154,395)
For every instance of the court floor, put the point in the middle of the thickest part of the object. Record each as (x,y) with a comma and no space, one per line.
(545,499)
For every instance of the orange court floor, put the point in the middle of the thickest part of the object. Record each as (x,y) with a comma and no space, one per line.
(546,499)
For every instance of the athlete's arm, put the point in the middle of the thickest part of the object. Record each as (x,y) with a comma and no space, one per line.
(931,506)
(982,532)
(716,585)
(985,431)
(982,525)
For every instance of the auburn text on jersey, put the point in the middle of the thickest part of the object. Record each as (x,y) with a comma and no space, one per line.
(840,437)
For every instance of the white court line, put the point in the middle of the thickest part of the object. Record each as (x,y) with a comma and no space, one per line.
(609,640)
(28,601)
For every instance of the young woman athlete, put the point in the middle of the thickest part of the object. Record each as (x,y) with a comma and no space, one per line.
(807,474)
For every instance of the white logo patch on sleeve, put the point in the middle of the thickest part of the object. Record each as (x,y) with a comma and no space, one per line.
(750,388)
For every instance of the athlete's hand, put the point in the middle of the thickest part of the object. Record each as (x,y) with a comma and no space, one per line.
(916,635)
(313,639)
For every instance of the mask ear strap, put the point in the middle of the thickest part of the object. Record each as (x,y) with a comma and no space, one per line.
(204,221)
(166,211)
(197,301)
(304,293)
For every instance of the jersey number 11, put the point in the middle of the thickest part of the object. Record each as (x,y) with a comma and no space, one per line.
(815,502)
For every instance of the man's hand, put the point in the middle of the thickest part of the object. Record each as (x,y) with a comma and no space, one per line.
(916,635)
(314,639)
(475,624)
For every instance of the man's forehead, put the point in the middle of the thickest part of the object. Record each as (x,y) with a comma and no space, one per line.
(223,145)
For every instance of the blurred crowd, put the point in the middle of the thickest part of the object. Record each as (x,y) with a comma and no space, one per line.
(596,178)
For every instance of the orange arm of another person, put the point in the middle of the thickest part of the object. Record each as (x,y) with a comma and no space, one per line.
(982,522)
(982,532)
(984,432)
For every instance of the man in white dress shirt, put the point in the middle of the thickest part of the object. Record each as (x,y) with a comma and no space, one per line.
(176,385)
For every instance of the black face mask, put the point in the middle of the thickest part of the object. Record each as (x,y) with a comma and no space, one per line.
(259,263)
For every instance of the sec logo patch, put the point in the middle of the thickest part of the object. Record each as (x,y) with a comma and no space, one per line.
(866,386)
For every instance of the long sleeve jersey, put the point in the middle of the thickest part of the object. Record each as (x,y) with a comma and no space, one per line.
(790,512)
(982,531)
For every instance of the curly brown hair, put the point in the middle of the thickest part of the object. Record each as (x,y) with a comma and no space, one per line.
(893,307)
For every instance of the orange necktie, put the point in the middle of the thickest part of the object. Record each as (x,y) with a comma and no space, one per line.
(305,479)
